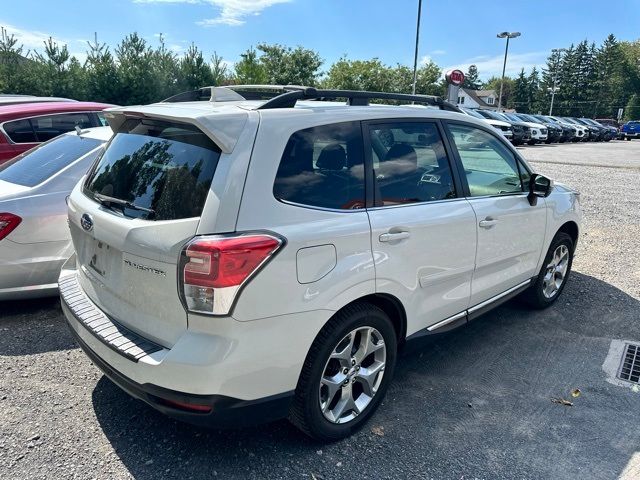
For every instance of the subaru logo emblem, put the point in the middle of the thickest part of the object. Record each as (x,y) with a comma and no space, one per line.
(87,222)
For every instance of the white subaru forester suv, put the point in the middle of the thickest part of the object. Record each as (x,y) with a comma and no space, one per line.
(265,253)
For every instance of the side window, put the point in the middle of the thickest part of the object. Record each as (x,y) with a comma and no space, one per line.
(410,164)
(20,131)
(490,168)
(102,121)
(323,167)
(50,126)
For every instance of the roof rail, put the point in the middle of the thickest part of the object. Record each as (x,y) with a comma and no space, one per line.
(292,93)
(286,96)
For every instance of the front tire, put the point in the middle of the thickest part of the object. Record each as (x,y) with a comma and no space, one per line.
(553,275)
(346,373)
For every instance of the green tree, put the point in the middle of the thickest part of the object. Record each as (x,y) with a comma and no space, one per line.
(533,84)
(471,79)
(12,63)
(507,89)
(55,73)
(165,68)
(521,93)
(551,78)
(249,70)
(632,111)
(102,81)
(612,84)
(427,77)
(287,66)
(370,75)
(135,61)
(193,70)
(219,71)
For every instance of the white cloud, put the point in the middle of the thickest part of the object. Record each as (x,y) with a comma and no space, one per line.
(34,40)
(231,12)
(30,39)
(489,66)
(438,52)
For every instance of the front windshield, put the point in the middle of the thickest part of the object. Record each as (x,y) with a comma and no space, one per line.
(512,117)
(496,116)
(528,118)
(472,113)
(581,122)
(542,119)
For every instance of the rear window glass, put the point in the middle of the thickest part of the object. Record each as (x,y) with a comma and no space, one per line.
(20,131)
(41,163)
(164,168)
(50,126)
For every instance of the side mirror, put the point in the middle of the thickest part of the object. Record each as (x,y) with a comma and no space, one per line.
(539,187)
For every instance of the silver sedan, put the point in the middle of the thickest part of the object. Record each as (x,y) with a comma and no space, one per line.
(34,235)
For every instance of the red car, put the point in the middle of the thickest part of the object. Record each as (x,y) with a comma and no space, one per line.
(23,126)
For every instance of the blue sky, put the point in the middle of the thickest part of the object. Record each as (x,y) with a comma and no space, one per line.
(452,33)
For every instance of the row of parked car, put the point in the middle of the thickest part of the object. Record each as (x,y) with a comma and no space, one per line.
(521,128)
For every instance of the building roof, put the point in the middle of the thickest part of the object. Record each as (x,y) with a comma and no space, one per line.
(475,95)
(486,93)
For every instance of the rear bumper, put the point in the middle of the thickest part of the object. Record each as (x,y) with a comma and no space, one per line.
(217,411)
(236,373)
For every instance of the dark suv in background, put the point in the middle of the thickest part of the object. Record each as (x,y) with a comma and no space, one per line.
(521,132)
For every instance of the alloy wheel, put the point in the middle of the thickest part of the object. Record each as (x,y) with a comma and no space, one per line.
(352,375)
(556,272)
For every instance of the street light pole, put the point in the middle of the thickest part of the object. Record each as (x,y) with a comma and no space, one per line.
(415,58)
(555,51)
(507,35)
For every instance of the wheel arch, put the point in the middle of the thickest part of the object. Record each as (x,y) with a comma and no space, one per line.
(571,228)
(390,305)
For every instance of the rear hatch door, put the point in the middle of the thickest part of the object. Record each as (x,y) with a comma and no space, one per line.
(131,216)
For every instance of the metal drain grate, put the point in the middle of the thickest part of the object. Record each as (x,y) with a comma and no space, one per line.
(630,366)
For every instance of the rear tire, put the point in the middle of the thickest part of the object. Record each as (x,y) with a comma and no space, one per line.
(553,275)
(346,373)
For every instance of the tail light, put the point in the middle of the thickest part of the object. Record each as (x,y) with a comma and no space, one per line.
(213,269)
(8,223)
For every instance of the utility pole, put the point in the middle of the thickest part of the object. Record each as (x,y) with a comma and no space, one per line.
(556,52)
(507,35)
(415,58)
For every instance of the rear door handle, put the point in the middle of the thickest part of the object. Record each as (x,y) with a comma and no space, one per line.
(488,222)
(392,237)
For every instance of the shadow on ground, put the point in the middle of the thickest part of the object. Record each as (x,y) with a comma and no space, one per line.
(33,326)
(475,403)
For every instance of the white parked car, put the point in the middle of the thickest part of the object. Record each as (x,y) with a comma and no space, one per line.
(502,127)
(581,132)
(539,132)
(243,261)
(34,236)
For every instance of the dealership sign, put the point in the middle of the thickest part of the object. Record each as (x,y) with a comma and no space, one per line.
(454,77)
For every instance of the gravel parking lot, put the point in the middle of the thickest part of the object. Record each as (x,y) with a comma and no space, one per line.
(475,403)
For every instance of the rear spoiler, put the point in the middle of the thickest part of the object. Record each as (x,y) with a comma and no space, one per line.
(224,129)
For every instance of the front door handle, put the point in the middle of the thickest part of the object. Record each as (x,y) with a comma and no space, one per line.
(392,237)
(488,222)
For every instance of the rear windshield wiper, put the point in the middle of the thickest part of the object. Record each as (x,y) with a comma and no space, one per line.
(107,201)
